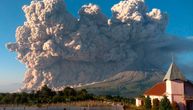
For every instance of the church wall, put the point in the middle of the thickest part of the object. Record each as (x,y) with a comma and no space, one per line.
(169,90)
(174,89)
(179,99)
(175,92)
(189,89)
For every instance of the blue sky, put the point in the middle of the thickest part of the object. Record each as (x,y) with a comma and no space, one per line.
(11,15)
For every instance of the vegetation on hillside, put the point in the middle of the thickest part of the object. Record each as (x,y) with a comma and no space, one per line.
(47,96)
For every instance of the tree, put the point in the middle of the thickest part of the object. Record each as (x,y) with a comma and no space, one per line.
(46,92)
(165,104)
(155,104)
(1,97)
(6,99)
(24,98)
(82,94)
(17,100)
(57,98)
(148,103)
(69,92)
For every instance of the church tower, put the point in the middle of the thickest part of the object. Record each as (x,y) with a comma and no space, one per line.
(175,85)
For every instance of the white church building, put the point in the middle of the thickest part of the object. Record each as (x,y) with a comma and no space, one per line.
(175,86)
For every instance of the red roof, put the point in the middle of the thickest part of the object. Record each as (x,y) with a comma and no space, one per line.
(159,89)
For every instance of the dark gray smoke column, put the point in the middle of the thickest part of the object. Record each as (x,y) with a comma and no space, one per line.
(59,49)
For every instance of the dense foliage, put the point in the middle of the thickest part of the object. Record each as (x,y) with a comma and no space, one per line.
(46,95)
(147,103)
(155,104)
(165,104)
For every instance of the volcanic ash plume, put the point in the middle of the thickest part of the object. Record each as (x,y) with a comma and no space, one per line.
(59,49)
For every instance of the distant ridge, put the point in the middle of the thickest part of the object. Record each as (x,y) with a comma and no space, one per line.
(127,84)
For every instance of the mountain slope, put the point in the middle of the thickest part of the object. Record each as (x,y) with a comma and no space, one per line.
(127,84)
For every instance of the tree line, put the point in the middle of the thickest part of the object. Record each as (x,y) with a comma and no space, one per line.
(46,95)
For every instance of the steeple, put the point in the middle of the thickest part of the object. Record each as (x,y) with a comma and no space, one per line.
(174,73)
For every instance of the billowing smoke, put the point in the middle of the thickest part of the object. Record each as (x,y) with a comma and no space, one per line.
(59,49)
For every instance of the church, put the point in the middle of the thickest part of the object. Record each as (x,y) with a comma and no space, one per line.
(175,86)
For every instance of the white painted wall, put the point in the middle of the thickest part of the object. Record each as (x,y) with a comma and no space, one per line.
(169,90)
(155,97)
(138,102)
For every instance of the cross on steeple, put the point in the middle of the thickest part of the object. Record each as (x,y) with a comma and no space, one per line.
(173,57)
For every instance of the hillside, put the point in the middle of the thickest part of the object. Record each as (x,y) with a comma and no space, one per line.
(128,83)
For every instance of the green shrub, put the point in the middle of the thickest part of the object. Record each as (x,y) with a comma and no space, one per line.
(155,104)
(165,104)
(148,103)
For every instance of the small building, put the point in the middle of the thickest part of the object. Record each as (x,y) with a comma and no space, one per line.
(139,101)
(175,86)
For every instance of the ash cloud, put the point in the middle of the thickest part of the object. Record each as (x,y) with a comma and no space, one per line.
(59,49)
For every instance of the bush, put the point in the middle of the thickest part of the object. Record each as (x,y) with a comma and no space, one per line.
(165,104)
(155,104)
(69,92)
(57,98)
(148,103)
